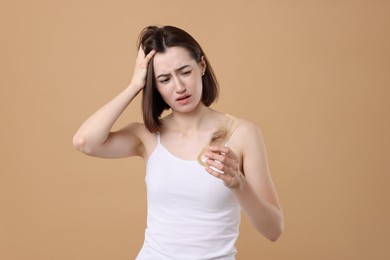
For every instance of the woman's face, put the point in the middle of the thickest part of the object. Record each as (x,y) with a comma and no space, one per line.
(179,79)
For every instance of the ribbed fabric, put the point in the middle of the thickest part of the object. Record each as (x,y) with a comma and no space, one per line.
(191,214)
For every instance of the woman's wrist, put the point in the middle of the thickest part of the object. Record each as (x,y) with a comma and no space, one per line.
(238,182)
(136,88)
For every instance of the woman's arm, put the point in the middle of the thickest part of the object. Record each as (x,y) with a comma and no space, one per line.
(252,185)
(95,138)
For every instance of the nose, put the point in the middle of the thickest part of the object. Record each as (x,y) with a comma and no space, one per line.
(179,86)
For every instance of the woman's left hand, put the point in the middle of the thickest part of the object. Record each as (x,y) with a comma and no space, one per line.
(223,159)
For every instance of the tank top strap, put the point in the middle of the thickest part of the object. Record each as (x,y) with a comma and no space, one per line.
(158,137)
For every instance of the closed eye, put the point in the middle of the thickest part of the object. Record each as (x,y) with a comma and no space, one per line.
(164,81)
(186,73)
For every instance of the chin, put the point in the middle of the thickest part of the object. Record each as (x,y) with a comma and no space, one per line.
(185,109)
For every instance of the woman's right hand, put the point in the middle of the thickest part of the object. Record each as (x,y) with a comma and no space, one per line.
(141,67)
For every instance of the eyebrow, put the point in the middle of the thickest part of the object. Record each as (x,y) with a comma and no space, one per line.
(166,75)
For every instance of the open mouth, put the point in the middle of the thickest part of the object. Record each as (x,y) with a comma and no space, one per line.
(183,97)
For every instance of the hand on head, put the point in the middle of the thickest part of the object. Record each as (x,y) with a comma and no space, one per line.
(140,69)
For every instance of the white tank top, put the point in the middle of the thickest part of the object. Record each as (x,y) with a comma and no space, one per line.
(191,214)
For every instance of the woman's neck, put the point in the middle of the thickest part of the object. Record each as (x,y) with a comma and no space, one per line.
(193,121)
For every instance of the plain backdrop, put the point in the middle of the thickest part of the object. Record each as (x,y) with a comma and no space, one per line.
(314,75)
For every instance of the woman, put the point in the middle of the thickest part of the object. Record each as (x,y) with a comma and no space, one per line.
(193,205)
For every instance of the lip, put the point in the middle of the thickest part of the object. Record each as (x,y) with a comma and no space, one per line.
(182,97)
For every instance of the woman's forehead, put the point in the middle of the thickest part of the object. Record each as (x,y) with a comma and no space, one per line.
(172,59)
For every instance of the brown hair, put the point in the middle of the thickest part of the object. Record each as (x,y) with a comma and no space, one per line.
(159,39)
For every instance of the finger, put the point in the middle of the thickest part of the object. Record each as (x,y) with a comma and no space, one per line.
(150,55)
(216,164)
(143,60)
(220,149)
(215,173)
(221,154)
(228,180)
(215,156)
(226,170)
(141,53)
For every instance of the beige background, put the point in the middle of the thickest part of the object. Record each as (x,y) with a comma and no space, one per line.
(315,75)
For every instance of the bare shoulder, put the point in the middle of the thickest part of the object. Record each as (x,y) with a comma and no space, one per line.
(247,124)
(247,130)
(247,137)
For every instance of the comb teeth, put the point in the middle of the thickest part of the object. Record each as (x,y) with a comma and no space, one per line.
(218,135)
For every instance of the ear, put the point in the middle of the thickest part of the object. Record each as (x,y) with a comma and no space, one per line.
(202,65)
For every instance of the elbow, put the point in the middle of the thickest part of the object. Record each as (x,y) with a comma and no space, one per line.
(79,143)
(273,228)
(276,234)
(277,230)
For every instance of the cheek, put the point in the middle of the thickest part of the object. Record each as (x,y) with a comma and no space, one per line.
(160,89)
(200,85)
(194,81)
(163,93)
